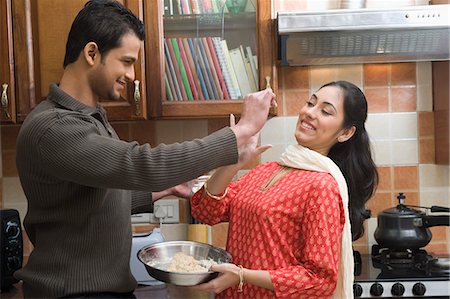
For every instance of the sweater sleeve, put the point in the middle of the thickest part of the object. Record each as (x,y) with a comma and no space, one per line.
(73,149)
(319,254)
(141,202)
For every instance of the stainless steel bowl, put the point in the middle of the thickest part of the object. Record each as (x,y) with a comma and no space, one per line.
(156,257)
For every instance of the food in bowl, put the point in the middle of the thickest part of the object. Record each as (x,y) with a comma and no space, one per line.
(157,258)
(184,263)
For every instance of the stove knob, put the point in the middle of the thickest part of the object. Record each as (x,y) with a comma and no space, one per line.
(376,289)
(419,289)
(397,289)
(357,290)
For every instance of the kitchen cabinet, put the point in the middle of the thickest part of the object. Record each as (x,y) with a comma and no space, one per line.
(40,30)
(8,103)
(255,27)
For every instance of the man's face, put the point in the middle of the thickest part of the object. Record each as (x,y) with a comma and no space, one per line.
(110,74)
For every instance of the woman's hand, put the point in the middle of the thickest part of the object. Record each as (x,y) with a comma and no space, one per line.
(228,277)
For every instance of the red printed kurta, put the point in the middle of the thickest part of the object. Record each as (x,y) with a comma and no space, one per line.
(292,229)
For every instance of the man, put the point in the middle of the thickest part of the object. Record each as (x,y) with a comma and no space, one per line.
(82,182)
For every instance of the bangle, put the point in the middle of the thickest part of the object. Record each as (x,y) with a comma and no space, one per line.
(241,278)
(216,197)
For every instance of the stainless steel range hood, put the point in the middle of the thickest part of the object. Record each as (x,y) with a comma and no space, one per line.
(344,36)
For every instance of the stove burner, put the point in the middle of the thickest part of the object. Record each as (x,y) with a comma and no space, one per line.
(405,261)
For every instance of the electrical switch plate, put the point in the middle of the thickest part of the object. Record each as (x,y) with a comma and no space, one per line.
(167,209)
(141,218)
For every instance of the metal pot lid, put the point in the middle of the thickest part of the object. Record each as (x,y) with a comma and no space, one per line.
(403,211)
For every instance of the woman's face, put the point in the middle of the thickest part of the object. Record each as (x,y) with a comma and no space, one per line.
(320,121)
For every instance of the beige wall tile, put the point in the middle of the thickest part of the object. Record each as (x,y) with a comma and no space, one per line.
(403,99)
(378,125)
(403,125)
(405,152)
(424,86)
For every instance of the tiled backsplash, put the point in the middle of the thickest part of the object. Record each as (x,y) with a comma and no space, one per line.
(400,125)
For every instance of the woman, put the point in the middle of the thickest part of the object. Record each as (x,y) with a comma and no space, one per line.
(289,221)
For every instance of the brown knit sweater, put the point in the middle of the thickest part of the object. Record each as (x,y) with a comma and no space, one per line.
(78,178)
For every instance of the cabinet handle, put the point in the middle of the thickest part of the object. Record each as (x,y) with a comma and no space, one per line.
(268,82)
(5,101)
(137,97)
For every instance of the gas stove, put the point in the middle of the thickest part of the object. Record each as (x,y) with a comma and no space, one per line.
(391,274)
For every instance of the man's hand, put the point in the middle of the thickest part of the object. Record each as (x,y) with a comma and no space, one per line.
(254,115)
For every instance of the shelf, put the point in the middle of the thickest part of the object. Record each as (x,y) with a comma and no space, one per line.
(199,109)
(204,109)
(204,22)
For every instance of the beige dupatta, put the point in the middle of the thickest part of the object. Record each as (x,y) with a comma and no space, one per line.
(300,157)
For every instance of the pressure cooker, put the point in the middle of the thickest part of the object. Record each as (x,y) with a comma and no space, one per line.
(404,228)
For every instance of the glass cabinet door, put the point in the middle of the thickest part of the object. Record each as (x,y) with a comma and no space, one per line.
(208,49)
(209,52)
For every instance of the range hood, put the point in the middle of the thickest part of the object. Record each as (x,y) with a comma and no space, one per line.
(348,36)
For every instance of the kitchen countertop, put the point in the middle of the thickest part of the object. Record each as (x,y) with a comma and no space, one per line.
(142,292)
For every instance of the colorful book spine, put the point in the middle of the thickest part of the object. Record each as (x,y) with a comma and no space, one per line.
(205,69)
(215,78)
(201,75)
(224,68)
(177,94)
(188,69)
(169,81)
(226,54)
(184,78)
(192,66)
(217,67)
(168,90)
(177,69)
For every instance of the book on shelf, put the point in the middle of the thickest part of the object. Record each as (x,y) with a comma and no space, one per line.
(188,69)
(168,90)
(213,69)
(225,71)
(217,67)
(169,78)
(253,66)
(193,68)
(240,71)
(234,80)
(177,69)
(204,61)
(206,75)
(200,75)
(183,73)
(248,69)
(169,62)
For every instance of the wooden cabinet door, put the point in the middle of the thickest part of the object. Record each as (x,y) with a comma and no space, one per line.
(161,108)
(49,22)
(7,82)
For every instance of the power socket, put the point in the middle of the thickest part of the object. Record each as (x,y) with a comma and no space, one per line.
(167,210)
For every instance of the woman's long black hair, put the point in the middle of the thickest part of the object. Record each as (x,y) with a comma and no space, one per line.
(354,157)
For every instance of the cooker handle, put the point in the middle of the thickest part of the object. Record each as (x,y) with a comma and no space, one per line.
(439,209)
(429,221)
